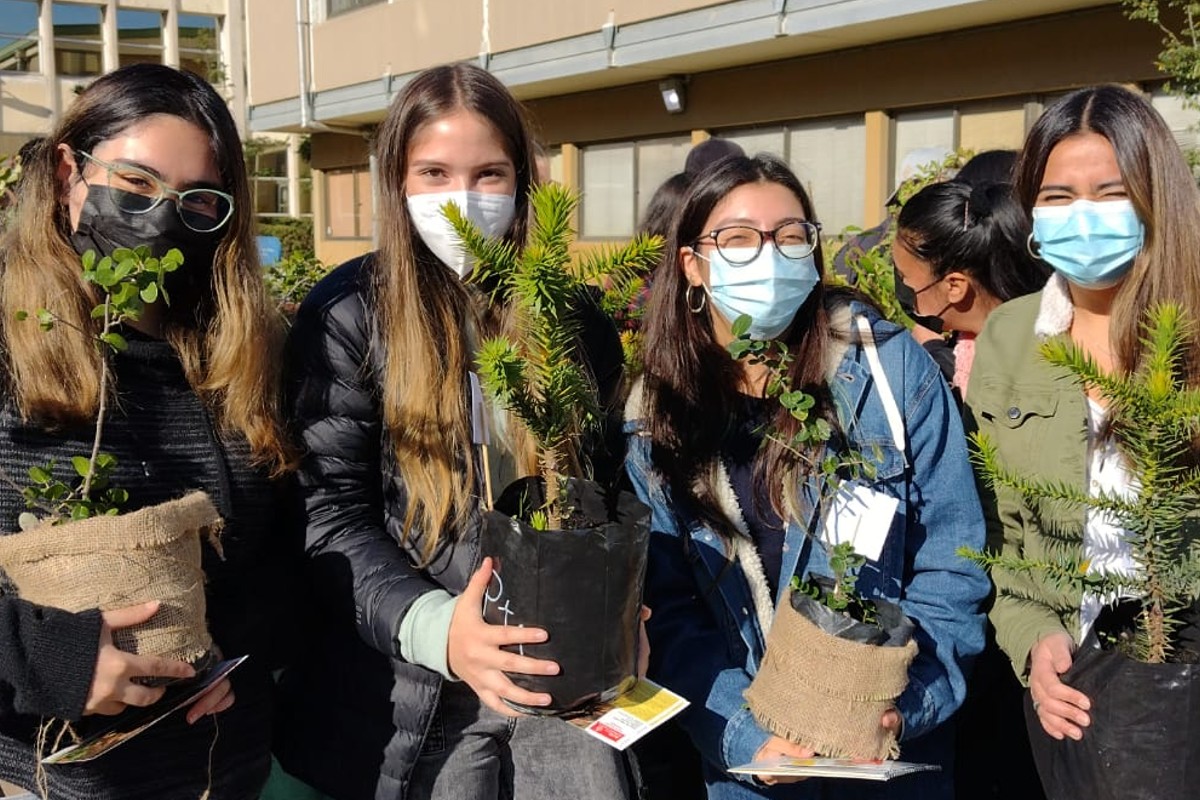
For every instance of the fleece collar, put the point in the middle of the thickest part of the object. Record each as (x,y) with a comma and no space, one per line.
(1056,312)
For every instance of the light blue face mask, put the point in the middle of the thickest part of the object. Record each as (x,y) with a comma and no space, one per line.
(1092,244)
(770,289)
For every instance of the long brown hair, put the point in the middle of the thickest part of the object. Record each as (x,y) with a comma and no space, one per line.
(1163,192)
(426,318)
(692,383)
(229,341)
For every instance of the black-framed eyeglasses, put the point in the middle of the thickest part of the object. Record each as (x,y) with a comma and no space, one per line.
(741,244)
(136,191)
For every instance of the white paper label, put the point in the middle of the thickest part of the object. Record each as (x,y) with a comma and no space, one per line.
(862,516)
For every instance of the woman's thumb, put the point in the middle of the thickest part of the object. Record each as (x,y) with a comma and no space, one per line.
(130,615)
(477,586)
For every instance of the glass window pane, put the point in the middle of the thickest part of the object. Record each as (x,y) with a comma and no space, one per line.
(77,39)
(340,6)
(19,36)
(139,36)
(607,181)
(657,160)
(306,197)
(266,196)
(339,204)
(759,140)
(916,129)
(363,201)
(830,159)
(200,46)
(1181,120)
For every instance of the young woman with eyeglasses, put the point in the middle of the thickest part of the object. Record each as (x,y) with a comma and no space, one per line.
(147,155)
(733,514)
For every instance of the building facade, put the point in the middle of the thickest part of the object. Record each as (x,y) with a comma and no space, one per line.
(50,50)
(621,89)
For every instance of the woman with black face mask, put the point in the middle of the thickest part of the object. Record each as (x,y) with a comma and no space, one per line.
(147,155)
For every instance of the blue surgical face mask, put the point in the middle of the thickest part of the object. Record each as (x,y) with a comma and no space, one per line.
(770,289)
(1092,244)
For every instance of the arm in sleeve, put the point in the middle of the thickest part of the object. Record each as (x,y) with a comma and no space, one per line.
(338,422)
(1019,621)
(689,652)
(943,591)
(47,659)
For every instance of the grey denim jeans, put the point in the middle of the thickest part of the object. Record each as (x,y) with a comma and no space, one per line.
(473,753)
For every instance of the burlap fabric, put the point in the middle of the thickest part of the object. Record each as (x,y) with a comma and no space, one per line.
(828,693)
(110,562)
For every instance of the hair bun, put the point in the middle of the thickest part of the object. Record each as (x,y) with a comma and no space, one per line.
(981,201)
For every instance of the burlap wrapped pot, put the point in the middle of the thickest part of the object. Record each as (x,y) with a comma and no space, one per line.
(826,692)
(110,562)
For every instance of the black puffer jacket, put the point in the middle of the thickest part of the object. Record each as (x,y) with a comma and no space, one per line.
(354,504)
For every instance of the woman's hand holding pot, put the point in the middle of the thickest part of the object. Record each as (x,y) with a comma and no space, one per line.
(475,656)
(1061,709)
(114,684)
(778,747)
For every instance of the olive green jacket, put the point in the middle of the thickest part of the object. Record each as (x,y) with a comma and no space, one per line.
(1037,417)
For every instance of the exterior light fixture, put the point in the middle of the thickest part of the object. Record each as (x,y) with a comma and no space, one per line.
(673,95)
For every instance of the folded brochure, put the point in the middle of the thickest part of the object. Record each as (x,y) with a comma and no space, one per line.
(135,721)
(634,713)
(833,768)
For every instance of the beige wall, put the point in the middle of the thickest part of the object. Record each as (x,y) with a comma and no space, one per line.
(521,23)
(24,104)
(272,64)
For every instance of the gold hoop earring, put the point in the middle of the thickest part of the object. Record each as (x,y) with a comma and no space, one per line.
(691,304)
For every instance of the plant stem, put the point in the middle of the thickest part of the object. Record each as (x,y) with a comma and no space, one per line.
(552,477)
(102,410)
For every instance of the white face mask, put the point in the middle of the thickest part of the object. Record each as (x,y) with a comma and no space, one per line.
(491,213)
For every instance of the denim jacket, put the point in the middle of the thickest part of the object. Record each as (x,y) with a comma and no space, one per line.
(711,607)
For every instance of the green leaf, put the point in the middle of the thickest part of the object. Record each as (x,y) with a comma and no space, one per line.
(80,511)
(741,325)
(21,315)
(45,319)
(105,461)
(89,259)
(114,340)
(150,293)
(39,475)
(82,465)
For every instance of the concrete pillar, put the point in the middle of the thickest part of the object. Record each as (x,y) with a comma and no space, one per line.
(171,34)
(112,58)
(293,175)
(879,146)
(48,62)
(570,175)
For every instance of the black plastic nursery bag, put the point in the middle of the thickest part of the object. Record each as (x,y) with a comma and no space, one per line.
(1144,740)
(583,586)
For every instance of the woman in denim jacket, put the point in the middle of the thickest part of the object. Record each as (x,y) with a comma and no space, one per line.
(722,548)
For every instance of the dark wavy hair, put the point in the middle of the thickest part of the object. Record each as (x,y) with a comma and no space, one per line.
(980,230)
(691,383)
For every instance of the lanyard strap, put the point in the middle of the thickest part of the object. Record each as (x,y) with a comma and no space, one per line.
(890,409)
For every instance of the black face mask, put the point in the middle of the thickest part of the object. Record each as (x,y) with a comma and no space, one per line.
(907,299)
(104,227)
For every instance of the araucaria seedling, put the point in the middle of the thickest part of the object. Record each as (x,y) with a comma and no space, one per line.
(127,281)
(1154,421)
(534,372)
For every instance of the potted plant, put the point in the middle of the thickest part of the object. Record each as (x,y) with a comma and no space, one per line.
(74,552)
(1140,662)
(835,660)
(569,556)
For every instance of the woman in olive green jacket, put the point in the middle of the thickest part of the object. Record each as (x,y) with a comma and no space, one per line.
(1117,215)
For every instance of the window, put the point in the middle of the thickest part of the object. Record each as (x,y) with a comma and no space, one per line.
(916,129)
(139,36)
(200,47)
(829,158)
(19,36)
(619,179)
(1179,118)
(348,203)
(269,184)
(333,7)
(77,42)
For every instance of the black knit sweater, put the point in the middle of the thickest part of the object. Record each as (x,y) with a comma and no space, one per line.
(165,443)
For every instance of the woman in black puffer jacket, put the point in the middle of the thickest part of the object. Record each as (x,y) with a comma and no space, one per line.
(380,358)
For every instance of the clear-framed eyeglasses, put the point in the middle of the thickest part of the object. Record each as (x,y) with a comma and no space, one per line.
(136,191)
(741,244)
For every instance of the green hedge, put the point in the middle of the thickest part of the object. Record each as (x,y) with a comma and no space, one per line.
(296,235)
